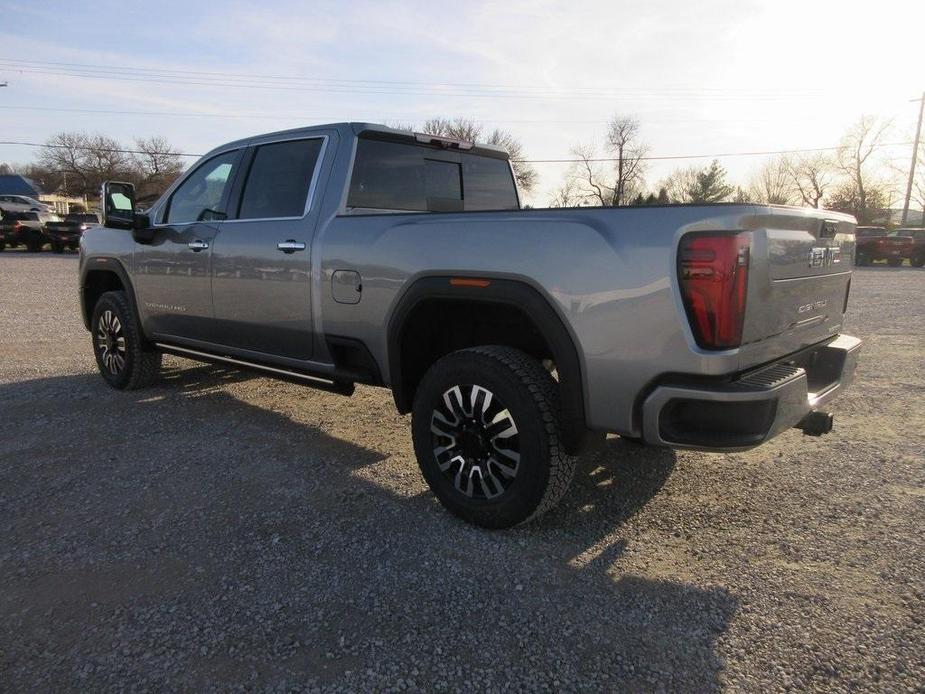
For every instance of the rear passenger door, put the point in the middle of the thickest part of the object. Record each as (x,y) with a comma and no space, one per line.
(261,262)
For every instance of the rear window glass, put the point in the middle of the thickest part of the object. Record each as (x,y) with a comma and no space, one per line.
(400,176)
(279,178)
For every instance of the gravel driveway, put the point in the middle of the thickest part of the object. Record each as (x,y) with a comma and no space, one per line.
(223,531)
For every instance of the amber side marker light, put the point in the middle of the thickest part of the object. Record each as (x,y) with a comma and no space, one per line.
(469,282)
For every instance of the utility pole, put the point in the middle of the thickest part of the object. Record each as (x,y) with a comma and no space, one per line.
(915,151)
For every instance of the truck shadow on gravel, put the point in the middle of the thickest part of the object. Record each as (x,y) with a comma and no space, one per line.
(182,538)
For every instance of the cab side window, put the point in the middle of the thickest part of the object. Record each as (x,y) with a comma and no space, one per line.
(199,198)
(279,179)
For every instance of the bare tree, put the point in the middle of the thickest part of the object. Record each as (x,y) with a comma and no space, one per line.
(811,175)
(855,158)
(87,159)
(568,195)
(772,183)
(473,131)
(157,165)
(617,181)
(624,143)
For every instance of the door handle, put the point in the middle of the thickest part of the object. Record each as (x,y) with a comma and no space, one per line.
(290,246)
(198,245)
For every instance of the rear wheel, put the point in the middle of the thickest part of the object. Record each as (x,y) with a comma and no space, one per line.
(917,261)
(487,436)
(123,358)
(894,262)
(34,246)
(57,247)
(2,246)
(862,259)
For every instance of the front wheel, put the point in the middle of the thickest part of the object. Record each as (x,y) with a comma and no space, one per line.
(917,261)
(123,358)
(894,262)
(487,436)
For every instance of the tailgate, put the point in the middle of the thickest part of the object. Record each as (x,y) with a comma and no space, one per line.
(799,274)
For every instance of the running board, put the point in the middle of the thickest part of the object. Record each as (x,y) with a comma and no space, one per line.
(318,382)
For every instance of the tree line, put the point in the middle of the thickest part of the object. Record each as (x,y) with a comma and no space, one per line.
(76,163)
(851,178)
(611,172)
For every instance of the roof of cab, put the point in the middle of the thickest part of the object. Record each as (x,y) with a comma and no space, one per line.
(346,128)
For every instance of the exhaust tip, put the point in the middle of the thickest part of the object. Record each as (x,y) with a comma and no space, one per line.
(817,423)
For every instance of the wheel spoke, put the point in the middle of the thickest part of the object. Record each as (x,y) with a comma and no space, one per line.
(454,403)
(480,402)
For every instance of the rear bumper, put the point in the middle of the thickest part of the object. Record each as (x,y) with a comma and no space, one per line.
(760,404)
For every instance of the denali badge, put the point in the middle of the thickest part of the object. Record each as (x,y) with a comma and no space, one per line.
(824,256)
(809,307)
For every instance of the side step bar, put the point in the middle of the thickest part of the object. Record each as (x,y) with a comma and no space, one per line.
(341,387)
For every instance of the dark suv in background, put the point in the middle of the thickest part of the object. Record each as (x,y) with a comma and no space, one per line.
(66,233)
(876,243)
(917,253)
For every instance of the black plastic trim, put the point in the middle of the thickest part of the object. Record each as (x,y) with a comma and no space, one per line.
(510,293)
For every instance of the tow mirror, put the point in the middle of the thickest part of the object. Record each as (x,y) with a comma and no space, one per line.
(118,205)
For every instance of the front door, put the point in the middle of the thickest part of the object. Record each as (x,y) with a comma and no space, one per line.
(173,271)
(261,264)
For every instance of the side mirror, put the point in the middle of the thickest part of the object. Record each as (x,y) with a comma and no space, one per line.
(118,205)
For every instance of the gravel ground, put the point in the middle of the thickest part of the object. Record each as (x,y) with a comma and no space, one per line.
(222,531)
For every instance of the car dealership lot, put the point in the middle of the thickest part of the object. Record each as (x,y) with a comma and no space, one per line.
(222,530)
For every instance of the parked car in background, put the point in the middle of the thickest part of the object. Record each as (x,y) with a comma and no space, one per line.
(23,203)
(27,228)
(875,243)
(917,254)
(67,232)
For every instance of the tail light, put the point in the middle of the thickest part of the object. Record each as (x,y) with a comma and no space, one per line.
(83,227)
(713,272)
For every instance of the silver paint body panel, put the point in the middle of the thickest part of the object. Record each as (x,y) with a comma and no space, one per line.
(609,273)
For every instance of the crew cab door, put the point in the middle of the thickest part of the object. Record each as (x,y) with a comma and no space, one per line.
(261,263)
(173,270)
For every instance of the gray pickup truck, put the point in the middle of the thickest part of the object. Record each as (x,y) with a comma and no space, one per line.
(354,253)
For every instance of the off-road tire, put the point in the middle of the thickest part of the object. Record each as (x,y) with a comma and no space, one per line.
(141,364)
(531,397)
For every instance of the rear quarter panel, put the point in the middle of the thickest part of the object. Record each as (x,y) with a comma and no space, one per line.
(608,273)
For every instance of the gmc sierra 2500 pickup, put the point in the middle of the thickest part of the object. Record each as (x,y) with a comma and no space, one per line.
(353,253)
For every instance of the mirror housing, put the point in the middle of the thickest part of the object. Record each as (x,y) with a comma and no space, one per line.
(117,205)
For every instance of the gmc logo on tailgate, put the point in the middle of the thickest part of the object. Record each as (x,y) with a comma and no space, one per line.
(824,256)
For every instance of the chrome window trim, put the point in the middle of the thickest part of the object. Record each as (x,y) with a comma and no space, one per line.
(309,199)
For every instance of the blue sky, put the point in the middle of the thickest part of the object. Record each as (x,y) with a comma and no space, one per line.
(702,77)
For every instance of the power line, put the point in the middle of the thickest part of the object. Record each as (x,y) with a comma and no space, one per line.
(14,63)
(519,161)
(413,117)
(306,84)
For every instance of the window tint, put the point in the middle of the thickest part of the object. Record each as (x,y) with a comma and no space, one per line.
(489,184)
(400,176)
(199,197)
(279,178)
(443,185)
(387,175)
